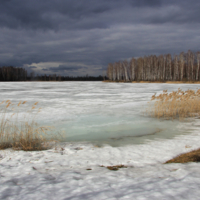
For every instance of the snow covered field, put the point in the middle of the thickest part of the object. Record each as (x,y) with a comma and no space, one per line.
(77,170)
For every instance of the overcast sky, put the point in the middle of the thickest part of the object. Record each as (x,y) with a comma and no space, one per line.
(79,37)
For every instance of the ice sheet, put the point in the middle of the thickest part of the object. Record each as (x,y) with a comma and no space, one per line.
(95,111)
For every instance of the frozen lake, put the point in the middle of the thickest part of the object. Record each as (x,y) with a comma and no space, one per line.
(98,112)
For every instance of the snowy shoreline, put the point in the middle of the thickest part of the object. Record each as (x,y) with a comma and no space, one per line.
(62,173)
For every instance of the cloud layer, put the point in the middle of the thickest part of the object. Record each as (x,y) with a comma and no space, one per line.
(81,37)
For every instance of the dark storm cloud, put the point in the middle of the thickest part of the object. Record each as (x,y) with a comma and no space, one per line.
(72,14)
(48,14)
(61,68)
(145,3)
(32,67)
(80,37)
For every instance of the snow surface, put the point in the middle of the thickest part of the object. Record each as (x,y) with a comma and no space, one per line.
(63,173)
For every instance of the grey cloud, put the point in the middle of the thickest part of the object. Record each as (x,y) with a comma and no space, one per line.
(89,14)
(32,67)
(146,3)
(65,68)
(73,34)
(47,14)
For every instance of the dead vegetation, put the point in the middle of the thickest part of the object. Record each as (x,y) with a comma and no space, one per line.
(24,134)
(114,167)
(176,105)
(168,82)
(193,156)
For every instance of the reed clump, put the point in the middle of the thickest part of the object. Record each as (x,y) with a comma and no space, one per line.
(176,105)
(24,134)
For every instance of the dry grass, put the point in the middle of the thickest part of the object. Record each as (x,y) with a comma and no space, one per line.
(109,81)
(168,82)
(193,156)
(147,82)
(177,104)
(185,82)
(23,135)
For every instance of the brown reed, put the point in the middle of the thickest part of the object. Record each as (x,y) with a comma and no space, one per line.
(177,104)
(22,135)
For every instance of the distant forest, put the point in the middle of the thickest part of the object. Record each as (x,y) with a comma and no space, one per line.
(182,67)
(20,74)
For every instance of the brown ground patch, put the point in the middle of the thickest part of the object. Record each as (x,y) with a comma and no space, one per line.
(108,81)
(148,82)
(180,82)
(169,82)
(193,156)
(114,167)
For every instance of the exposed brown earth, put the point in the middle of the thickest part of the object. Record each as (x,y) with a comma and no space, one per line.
(114,167)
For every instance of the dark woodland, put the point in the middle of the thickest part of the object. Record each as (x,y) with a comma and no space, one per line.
(13,74)
(54,77)
(10,73)
(182,67)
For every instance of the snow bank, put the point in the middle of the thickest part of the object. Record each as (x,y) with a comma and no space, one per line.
(64,173)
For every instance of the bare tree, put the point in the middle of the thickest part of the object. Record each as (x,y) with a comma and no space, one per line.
(175,68)
(125,66)
(145,68)
(192,65)
(114,72)
(198,62)
(117,71)
(182,63)
(152,68)
(189,68)
(160,69)
(132,68)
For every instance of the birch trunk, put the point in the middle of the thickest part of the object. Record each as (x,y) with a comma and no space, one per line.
(198,62)
(114,72)
(192,65)
(125,65)
(175,67)
(132,67)
(182,62)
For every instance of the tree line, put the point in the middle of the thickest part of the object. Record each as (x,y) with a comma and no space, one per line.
(182,67)
(55,77)
(10,73)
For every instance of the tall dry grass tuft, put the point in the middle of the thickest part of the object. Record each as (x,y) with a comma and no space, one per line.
(177,104)
(25,134)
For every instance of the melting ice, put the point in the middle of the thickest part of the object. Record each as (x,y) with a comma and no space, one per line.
(98,112)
